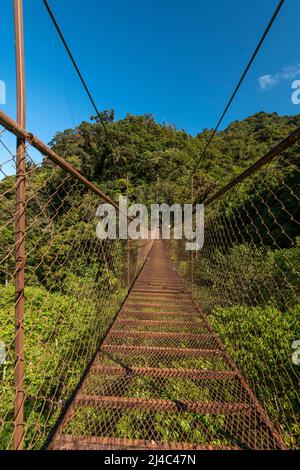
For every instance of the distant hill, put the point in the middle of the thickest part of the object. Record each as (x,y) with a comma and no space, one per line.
(157,155)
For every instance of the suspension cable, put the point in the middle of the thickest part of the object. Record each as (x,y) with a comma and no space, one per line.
(58,29)
(263,37)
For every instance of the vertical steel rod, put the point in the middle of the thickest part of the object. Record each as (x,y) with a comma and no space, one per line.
(128,241)
(19,231)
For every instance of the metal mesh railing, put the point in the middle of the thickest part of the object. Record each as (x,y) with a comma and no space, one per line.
(74,286)
(163,380)
(246,279)
(161,376)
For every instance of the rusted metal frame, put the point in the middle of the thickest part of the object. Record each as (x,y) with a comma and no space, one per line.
(155,314)
(185,309)
(167,278)
(152,404)
(160,291)
(158,297)
(69,410)
(178,323)
(159,313)
(163,272)
(148,282)
(176,350)
(154,305)
(123,349)
(233,366)
(158,279)
(290,140)
(160,334)
(257,406)
(18,434)
(156,274)
(171,290)
(163,286)
(159,285)
(157,302)
(161,265)
(81,442)
(164,352)
(24,135)
(158,294)
(163,372)
(261,411)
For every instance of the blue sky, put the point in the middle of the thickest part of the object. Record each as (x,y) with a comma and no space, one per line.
(176,59)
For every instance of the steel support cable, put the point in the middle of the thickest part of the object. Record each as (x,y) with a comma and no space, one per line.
(274,16)
(79,74)
(284,144)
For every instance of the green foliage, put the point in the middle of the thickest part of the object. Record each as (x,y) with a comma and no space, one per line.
(62,334)
(259,339)
(250,289)
(251,295)
(251,275)
(160,154)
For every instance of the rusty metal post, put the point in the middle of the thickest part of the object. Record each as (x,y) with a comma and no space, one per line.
(128,241)
(191,252)
(19,232)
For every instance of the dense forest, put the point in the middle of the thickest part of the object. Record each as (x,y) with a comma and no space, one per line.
(246,276)
(152,153)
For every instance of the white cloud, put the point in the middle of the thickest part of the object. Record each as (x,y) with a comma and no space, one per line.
(2,92)
(267,81)
(287,73)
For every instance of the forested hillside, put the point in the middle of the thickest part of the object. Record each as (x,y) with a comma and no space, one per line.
(247,275)
(152,153)
(250,280)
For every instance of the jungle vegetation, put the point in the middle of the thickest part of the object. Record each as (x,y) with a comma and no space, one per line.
(249,279)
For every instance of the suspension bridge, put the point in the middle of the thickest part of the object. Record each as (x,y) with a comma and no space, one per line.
(135,351)
(157,337)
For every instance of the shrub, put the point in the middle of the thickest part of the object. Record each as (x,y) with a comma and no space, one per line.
(259,340)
